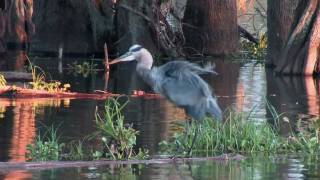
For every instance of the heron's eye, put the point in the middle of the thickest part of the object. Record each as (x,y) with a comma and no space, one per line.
(136,49)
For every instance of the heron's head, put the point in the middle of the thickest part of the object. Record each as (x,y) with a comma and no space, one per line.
(138,53)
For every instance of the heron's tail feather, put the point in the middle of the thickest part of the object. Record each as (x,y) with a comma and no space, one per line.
(209,66)
(177,68)
(213,109)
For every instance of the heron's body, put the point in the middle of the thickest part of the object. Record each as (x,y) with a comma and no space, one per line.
(179,81)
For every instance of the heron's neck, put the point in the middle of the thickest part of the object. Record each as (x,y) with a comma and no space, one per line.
(146,75)
(144,66)
(145,59)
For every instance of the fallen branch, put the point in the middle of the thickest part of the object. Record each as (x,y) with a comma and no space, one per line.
(14,166)
(245,34)
(164,36)
(106,64)
(242,32)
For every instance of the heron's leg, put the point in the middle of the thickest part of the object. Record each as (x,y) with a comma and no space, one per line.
(186,136)
(194,139)
(187,128)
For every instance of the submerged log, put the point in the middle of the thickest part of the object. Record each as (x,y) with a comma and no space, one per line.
(11,75)
(18,92)
(13,166)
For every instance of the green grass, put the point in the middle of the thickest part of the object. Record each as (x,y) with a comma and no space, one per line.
(118,138)
(3,81)
(238,134)
(77,151)
(46,147)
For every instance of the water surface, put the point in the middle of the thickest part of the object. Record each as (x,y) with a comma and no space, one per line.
(242,86)
(256,167)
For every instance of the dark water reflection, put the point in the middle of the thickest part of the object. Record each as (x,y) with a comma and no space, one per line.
(75,118)
(13,61)
(241,86)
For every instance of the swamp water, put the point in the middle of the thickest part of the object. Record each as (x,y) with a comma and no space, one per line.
(243,86)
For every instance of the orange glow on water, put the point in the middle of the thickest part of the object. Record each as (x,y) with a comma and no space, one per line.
(313,105)
(23,132)
(18,175)
(24,123)
(240,97)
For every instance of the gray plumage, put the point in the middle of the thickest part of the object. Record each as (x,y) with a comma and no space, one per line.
(179,81)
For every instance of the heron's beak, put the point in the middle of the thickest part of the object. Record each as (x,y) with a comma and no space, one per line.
(126,57)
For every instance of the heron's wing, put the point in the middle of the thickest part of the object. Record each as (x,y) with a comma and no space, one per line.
(184,88)
(182,93)
(182,71)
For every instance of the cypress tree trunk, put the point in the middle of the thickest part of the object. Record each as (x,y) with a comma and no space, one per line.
(211,26)
(294,37)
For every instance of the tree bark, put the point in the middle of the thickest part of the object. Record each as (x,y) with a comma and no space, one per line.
(134,24)
(293,35)
(216,29)
(281,19)
(81,27)
(2,31)
(19,23)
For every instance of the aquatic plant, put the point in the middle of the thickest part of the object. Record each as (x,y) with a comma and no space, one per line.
(123,172)
(46,147)
(251,50)
(307,140)
(54,86)
(3,81)
(118,138)
(238,134)
(76,151)
(39,81)
(84,68)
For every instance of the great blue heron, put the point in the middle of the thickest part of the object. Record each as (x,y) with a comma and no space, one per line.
(178,81)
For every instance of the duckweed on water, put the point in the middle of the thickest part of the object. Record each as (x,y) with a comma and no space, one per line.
(84,69)
(238,134)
